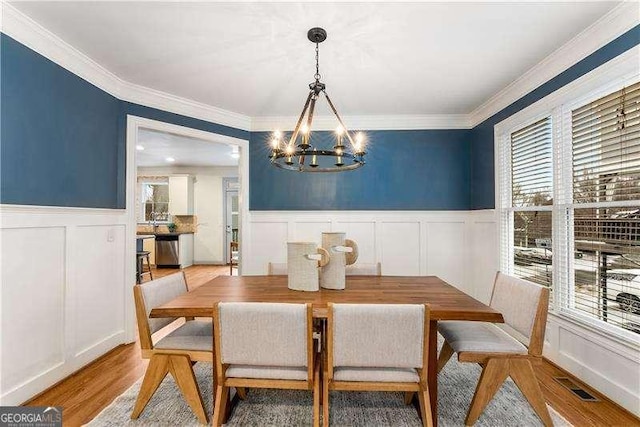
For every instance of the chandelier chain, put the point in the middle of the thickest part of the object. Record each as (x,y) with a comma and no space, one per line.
(317,75)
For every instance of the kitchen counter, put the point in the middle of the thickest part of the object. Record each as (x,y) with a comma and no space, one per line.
(160,233)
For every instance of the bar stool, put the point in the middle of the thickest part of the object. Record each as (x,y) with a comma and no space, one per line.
(140,256)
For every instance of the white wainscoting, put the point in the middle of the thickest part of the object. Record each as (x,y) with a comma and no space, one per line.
(63,296)
(608,365)
(407,243)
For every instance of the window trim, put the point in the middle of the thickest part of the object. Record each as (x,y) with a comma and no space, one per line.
(614,75)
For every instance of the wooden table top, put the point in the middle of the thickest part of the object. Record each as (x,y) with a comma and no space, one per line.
(447,302)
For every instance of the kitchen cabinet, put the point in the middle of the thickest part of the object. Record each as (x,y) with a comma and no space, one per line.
(185,251)
(181,195)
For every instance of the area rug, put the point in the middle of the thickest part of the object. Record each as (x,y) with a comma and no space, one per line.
(456,385)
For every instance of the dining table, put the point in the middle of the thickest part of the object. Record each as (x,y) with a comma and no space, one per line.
(446,302)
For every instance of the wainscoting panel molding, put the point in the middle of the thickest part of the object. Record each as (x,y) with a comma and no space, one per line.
(63,293)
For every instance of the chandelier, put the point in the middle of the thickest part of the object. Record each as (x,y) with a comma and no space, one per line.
(298,152)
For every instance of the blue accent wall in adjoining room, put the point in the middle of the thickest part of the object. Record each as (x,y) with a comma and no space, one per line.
(482,147)
(405,170)
(58,138)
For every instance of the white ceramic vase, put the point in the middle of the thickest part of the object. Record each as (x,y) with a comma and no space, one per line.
(303,262)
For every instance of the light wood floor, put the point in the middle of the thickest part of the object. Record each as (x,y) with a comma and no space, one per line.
(84,394)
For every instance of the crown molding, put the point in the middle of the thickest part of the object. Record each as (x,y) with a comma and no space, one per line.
(386,122)
(33,35)
(615,23)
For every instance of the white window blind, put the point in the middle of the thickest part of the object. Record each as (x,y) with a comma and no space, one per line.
(532,164)
(606,148)
(605,213)
(529,215)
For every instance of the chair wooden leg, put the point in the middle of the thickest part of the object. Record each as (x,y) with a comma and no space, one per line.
(522,373)
(445,355)
(182,371)
(242,393)
(316,396)
(325,401)
(425,407)
(156,371)
(220,409)
(408,397)
(492,377)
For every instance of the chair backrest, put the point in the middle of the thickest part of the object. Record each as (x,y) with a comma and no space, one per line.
(524,306)
(364,270)
(263,334)
(153,294)
(277,269)
(378,335)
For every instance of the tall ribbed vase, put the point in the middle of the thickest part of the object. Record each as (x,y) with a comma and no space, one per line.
(342,252)
(303,262)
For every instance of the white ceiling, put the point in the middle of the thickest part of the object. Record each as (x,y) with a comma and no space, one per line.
(185,150)
(379,58)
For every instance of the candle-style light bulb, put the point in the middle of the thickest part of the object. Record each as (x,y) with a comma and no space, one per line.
(289,151)
(359,143)
(314,159)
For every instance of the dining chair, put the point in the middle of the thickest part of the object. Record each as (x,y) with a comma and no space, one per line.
(378,347)
(177,351)
(374,269)
(277,269)
(264,345)
(233,256)
(524,308)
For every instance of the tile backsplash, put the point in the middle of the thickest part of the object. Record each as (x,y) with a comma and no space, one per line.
(184,224)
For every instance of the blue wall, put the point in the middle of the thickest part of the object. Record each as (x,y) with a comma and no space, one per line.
(422,169)
(64,144)
(482,156)
(58,134)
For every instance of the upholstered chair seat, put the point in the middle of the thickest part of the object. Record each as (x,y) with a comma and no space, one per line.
(479,337)
(267,372)
(384,375)
(193,335)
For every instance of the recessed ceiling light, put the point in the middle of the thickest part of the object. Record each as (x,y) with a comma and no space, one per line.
(139,148)
(170,159)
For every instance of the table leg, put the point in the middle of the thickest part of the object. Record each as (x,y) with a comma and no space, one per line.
(432,374)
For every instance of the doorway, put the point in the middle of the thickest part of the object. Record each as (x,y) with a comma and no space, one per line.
(230,187)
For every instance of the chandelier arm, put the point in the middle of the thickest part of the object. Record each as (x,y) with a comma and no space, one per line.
(333,108)
(294,136)
(307,135)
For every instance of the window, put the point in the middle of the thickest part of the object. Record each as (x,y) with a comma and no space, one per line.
(155,201)
(604,213)
(529,212)
(570,207)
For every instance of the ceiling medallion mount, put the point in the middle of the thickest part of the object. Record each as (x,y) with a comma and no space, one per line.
(294,152)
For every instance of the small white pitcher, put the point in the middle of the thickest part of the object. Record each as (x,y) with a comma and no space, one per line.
(342,252)
(303,261)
